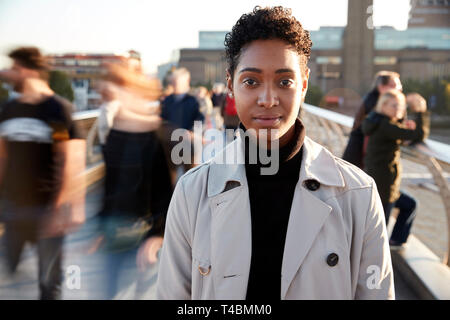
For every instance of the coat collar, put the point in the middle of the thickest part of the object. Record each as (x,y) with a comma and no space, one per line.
(317,163)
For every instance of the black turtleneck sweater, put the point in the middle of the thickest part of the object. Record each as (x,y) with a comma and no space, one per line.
(270,204)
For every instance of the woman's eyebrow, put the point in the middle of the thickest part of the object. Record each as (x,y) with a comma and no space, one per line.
(260,71)
(251,70)
(285,70)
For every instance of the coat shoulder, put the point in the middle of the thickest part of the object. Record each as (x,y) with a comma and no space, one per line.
(354,177)
(195,179)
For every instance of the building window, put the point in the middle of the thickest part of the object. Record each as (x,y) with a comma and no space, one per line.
(70,62)
(383,60)
(329,75)
(328,60)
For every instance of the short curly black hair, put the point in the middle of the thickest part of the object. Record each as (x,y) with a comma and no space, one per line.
(265,24)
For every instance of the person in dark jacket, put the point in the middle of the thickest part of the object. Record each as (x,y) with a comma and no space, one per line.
(384,80)
(385,132)
(181,109)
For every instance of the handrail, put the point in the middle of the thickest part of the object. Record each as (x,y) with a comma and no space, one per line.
(95,169)
(427,153)
(432,148)
(87,114)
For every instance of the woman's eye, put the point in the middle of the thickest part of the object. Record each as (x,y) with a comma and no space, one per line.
(250,82)
(286,83)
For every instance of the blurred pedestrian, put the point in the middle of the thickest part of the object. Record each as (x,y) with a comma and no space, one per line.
(206,106)
(384,80)
(386,128)
(417,111)
(180,110)
(218,94)
(137,183)
(41,172)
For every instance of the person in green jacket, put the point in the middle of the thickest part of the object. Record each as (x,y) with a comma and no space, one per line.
(386,129)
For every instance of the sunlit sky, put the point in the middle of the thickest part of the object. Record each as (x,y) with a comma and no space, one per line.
(155,29)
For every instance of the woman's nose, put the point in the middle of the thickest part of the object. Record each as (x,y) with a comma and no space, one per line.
(268,98)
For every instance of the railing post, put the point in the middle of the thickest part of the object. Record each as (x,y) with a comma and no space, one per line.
(444,190)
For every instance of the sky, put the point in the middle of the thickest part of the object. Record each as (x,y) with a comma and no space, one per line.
(155,29)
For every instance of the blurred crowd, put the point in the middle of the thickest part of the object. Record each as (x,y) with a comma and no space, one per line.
(43,160)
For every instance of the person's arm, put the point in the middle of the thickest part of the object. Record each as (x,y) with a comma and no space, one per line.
(395,131)
(174,275)
(69,206)
(375,278)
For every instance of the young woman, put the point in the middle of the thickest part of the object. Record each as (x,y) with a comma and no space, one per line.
(313,230)
(386,132)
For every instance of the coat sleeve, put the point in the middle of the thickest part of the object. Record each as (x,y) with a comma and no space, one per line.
(174,275)
(376,279)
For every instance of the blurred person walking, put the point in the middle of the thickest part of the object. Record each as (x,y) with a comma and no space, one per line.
(206,106)
(383,81)
(41,169)
(137,183)
(386,128)
(417,111)
(218,94)
(180,110)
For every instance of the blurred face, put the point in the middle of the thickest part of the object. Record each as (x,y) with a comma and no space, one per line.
(394,109)
(17,74)
(181,83)
(269,86)
(393,83)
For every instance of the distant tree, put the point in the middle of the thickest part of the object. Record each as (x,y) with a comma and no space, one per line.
(313,95)
(60,83)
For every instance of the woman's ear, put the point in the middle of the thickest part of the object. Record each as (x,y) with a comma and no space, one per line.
(305,83)
(229,81)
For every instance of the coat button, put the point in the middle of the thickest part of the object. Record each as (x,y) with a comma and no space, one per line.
(332,259)
(312,184)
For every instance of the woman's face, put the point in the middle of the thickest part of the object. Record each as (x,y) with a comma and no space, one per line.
(393,83)
(394,109)
(269,86)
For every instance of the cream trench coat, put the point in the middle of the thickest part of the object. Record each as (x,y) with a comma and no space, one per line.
(207,245)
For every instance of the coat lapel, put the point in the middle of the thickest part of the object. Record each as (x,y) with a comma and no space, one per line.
(307,216)
(230,224)
(308,211)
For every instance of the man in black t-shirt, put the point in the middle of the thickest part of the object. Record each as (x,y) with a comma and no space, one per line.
(35,142)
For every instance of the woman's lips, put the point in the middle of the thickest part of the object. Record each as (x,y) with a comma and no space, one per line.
(267,121)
